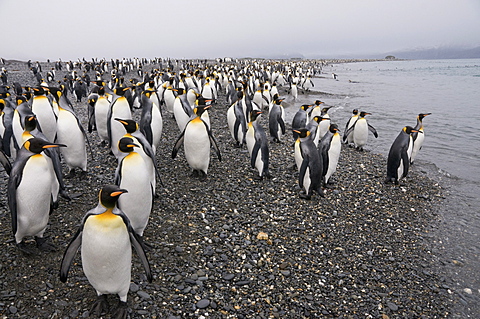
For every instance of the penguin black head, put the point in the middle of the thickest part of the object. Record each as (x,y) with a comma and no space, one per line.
(130,125)
(334,128)
(362,114)
(409,130)
(318,102)
(20,99)
(126,145)
(121,90)
(302,132)
(326,108)
(39,90)
(108,195)
(202,101)
(305,107)
(355,112)
(37,145)
(2,105)
(254,114)
(200,109)
(30,123)
(318,118)
(180,91)
(422,115)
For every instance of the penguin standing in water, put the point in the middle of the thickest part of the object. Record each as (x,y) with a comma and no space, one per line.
(348,139)
(197,138)
(418,137)
(311,165)
(360,129)
(135,173)
(106,239)
(257,145)
(276,120)
(398,161)
(30,196)
(300,120)
(330,146)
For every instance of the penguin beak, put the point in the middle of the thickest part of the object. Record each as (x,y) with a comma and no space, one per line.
(53,145)
(118,193)
(296,131)
(132,145)
(121,121)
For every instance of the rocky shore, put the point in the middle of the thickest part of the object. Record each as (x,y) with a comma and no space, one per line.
(235,247)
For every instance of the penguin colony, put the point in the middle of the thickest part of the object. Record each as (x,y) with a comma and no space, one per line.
(39,128)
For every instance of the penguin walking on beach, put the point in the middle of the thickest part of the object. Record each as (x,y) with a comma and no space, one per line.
(348,138)
(106,238)
(310,165)
(398,161)
(324,125)
(360,129)
(101,110)
(257,145)
(30,193)
(71,133)
(300,120)
(135,173)
(197,138)
(119,108)
(276,120)
(43,109)
(182,110)
(418,137)
(151,120)
(237,122)
(330,146)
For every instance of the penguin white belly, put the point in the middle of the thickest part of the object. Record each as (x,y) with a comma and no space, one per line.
(400,169)
(17,129)
(157,127)
(181,117)
(298,155)
(120,110)
(360,133)
(70,134)
(101,115)
(323,127)
(197,145)
(259,162)
(350,124)
(169,100)
(107,255)
(307,181)
(136,178)
(33,198)
(294,91)
(250,139)
(333,156)
(417,145)
(46,118)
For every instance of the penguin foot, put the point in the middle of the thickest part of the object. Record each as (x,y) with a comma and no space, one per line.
(100,306)
(257,177)
(71,174)
(121,312)
(83,175)
(44,245)
(64,194)
(22,246)
(304,195)
(202,176)
(194,173)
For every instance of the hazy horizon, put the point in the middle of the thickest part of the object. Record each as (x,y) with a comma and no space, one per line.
(54,29)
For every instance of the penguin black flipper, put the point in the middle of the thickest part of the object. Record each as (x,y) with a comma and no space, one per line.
(406,164)
(70,253)
(213,141)
(373,130)
(177,145)
(5,162)
(109,123)
(302,171)
(255,150)
(350,130)
(282,125)
(13,182)
(139,247)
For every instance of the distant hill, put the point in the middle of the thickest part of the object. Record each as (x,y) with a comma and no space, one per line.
(437,53)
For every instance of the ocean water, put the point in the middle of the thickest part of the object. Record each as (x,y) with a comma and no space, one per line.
(395,92)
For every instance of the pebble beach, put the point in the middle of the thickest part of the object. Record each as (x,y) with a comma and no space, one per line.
(232,246)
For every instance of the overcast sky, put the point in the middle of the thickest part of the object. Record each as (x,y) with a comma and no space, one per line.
(71,29)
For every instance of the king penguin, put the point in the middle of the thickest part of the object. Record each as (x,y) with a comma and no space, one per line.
(236,121)
(29,191)
(398,161)
(330,146)
(134,172)
(360,129)
(348,139)
(300,120)
(276,120)
(257,145)
(106,238)
(197,138)
(311,165)
(101,108)
(119,108)
(418,137)
(182,110)
(43,109)
(151,120)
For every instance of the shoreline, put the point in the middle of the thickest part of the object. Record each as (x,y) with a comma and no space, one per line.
(363,250)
